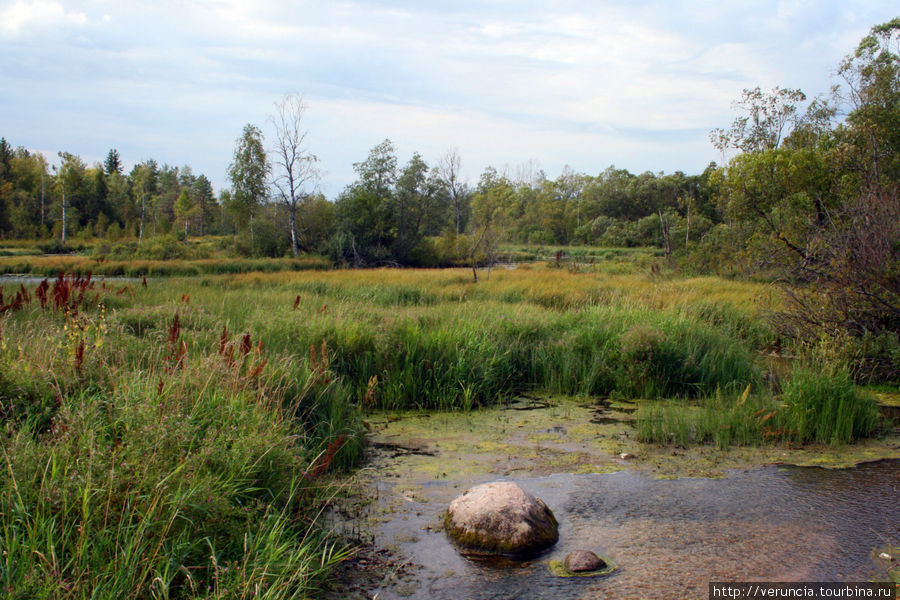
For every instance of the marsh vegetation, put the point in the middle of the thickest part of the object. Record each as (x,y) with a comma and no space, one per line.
(179,437)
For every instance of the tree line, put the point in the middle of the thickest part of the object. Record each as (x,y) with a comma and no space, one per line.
(414,214)
(74,200)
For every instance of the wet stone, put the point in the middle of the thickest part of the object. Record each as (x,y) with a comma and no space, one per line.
(501,518)
(584,561)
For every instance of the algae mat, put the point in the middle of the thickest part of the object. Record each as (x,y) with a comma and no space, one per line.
(541,436)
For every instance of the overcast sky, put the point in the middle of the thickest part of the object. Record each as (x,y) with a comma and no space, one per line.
(585,83)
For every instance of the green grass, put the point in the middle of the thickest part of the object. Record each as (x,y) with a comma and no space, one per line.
(444,344)
(49,266)
(164,464)
(635,257)
(824,405)
(821,405)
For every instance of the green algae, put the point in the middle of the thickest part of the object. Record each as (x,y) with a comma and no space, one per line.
(537,438)
(558,568)
(420,461)
(564,435)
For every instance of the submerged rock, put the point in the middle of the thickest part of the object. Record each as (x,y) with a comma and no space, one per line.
(501,518)
(584,561)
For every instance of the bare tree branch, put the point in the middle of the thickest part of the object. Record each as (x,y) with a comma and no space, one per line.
(295,173)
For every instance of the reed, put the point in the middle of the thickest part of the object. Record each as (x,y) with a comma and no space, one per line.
(160,463)
(819,405)
(823,404)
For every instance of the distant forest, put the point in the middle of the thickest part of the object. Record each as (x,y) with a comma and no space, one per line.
(386,216)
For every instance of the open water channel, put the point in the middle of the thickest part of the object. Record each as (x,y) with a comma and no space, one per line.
(672,521)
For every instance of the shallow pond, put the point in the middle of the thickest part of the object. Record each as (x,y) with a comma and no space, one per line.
(670,534)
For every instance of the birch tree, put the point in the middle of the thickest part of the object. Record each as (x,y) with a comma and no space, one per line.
(294,173)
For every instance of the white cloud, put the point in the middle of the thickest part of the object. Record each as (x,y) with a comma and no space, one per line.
(24,16)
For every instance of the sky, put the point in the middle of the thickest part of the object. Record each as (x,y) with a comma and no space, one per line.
(583,83)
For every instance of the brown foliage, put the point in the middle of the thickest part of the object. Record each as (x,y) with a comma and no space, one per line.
(847,283)
(853,271)
(321,466)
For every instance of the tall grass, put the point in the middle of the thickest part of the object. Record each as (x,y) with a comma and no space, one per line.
(824,405)
(168,464)
(174,440)
(49,266)
(433,339)
(819,405)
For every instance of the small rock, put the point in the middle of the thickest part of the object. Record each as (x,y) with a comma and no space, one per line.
(584,561)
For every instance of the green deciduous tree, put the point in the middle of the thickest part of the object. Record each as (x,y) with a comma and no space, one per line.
(143,184)
(365,226)
(26,190)
(872,77)
(6,185)
(420,208)
(70,184)
(765,119)
(491,206)
(186,210)
(248,172)
(387,215)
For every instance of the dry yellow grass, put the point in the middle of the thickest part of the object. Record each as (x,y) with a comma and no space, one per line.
(543,285)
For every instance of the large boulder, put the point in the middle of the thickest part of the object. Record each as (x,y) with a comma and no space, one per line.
(501,518)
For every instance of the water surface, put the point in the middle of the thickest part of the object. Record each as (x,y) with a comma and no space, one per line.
(673,520)
(670,537)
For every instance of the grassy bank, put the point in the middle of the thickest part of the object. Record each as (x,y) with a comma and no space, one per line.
(817,405)
(434,339)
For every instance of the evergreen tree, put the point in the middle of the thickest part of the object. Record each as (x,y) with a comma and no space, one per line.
(202,191)
(112,164)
